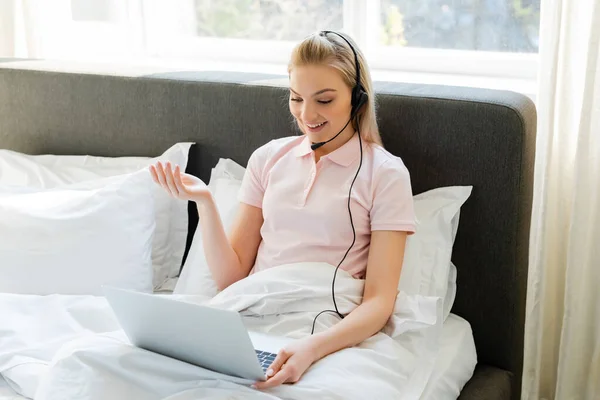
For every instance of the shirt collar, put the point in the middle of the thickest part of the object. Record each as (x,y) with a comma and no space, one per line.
(303,148)
(344,155)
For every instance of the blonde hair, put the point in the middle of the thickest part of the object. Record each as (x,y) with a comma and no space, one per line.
(329,49)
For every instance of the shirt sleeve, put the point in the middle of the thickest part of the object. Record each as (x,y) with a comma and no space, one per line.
(253,186)
(393,206)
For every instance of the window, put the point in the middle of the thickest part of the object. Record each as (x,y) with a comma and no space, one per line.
(475,38)
(503,26)
(266,20)
(99,11)
(236,30)
(470,39)
(83,29)
(482,38)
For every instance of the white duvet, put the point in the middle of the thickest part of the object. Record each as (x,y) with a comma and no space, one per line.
(71,347)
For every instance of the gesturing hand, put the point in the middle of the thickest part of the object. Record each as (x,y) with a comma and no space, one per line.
(290,364)
(179,185)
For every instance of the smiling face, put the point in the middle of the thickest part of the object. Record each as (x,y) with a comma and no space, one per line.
(320,101)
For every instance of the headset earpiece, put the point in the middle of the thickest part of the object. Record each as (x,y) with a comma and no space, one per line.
(359,99)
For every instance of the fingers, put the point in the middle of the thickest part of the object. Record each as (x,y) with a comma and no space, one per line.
(178,181)
(171,180)
(162,179)
(154,175)
(282,357)
(275,374)
(280,377)
(163,175)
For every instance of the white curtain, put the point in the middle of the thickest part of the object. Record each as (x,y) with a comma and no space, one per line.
(21,28)
(562,341)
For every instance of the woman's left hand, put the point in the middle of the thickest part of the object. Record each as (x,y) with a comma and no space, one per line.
(291,363)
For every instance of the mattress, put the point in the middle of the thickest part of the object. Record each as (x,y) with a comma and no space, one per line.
(454,365)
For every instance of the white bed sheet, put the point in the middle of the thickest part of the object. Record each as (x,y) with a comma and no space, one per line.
(453,366)
(455,362)
(6,393)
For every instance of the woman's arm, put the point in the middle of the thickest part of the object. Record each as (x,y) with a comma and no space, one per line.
(229,259)
(386,255)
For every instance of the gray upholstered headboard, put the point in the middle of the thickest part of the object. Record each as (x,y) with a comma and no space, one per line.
(445,135)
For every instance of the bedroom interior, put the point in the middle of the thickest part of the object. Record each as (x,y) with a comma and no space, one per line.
(497,296)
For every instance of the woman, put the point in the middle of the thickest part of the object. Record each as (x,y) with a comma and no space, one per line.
(294,200)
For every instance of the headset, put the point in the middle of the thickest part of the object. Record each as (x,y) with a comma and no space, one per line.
(359,95)
(358,100)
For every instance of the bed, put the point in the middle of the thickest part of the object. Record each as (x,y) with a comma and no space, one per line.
(453,363)
(445,136)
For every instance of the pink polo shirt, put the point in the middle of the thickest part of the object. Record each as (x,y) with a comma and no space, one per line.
(305,204)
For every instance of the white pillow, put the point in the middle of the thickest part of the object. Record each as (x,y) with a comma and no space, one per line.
(428,252)
(427,268)
(196,277)
(225,169)
(51,171)
(451,290)
(73,239)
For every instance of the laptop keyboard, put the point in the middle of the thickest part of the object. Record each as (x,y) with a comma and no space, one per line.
(265,359)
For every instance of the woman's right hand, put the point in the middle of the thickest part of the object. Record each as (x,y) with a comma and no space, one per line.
(179,185)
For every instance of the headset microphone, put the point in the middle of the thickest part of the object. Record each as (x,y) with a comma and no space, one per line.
(315,146)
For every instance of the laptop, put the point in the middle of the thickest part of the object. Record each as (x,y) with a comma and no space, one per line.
(208,337)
